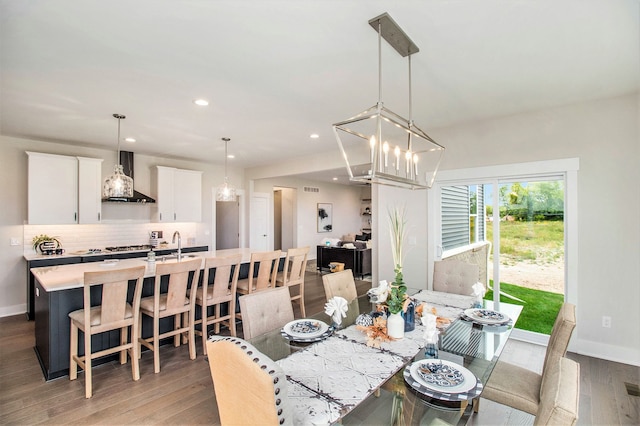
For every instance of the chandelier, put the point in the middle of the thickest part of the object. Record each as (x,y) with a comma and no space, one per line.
(380,146)
(118,184)
(226,191)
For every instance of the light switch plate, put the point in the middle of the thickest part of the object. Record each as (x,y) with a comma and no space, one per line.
(15,241)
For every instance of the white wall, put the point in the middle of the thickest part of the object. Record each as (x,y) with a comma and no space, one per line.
(13,214)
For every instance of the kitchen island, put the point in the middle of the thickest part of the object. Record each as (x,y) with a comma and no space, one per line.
(59,291)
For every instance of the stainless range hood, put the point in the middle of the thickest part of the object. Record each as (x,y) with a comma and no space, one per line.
(126,160)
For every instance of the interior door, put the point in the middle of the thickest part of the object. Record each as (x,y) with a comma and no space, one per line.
(259,237)
(227,225)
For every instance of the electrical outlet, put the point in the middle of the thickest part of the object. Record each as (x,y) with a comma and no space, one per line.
(15,241)
(606,321)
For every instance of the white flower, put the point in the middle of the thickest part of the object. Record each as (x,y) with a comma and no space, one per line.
(379,294)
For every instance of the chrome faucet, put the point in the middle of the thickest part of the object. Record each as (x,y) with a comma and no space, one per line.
(179,244)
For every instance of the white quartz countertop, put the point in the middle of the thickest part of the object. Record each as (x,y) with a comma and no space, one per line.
(63,277)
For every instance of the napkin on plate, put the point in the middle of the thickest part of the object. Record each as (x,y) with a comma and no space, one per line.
(336,308)
(430,330)
(478,294)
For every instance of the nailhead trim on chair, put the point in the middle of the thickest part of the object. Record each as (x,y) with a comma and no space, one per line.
(250,350)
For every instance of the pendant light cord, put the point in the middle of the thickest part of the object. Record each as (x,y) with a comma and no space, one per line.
(379,62)
(119,117)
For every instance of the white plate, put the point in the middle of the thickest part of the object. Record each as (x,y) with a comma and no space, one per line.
(468,383)
(305,328)
(486,316)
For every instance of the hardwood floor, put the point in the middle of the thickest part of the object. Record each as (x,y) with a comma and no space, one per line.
(182,393)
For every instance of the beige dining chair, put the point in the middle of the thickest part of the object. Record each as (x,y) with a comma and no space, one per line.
(295,265)
(113,313)
(221,293)
(455,276)
(250,388)
(519,387)
(340,284)
(178,302)
(265,311)
(560,394)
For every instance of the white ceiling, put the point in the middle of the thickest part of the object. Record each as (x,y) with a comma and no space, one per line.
(276,71)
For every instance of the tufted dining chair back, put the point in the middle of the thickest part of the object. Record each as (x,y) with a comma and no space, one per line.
(340,284)
(265,311)
(454,276)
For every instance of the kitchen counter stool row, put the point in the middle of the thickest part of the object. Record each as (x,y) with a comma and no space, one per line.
(176,295)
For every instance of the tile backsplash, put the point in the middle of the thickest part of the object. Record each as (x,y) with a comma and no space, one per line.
(81,237)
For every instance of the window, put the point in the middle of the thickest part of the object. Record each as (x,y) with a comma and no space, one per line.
(462,215)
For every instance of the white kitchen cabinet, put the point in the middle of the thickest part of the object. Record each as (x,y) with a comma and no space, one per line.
(178,195)
(89,190)
(52,189)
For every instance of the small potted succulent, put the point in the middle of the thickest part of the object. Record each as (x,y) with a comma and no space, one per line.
(45,244)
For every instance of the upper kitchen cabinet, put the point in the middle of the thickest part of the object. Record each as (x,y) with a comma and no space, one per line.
(90,190)
(63,189)
(178,195)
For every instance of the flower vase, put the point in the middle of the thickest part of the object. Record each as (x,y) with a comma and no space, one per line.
(395,326)
(409,317)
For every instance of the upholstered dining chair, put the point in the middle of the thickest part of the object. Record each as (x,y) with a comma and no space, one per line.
(250,388)
(178,302)
(265,311)
(521,388)
(295,265)
(560,394)
(340,284)
(113,313)
(454,276)
(220,293)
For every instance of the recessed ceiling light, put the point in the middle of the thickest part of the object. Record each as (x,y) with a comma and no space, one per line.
(335,178)
(314,136)
(129,140)
(231,156)
(201,102)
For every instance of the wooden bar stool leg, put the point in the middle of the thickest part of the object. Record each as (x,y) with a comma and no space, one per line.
(73,352)
(123,341)
(135,352)
(176,325)
(87,365)
(156,345)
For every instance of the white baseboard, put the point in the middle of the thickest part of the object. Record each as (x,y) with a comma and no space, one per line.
(583,347)
(9,311)
(613,353)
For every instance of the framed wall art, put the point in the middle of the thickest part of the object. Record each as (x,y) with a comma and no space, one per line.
(325,217)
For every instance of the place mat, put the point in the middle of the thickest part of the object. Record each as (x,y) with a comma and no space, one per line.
(442,396)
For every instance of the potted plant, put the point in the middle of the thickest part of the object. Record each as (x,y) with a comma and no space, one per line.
(45,244)
(397,299)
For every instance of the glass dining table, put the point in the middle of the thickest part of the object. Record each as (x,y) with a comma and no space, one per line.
(340,379)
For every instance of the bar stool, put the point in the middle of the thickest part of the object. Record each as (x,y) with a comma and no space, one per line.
(295,265)
(221,291)
(114,313)
(177,302)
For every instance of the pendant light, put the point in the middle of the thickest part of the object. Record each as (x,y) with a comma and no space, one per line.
(118,184)
(226,192)
(378,145)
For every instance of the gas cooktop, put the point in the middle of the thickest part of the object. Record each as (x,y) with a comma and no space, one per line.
(129,248)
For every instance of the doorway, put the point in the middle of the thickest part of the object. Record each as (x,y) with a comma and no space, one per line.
(284,218)
(227,225)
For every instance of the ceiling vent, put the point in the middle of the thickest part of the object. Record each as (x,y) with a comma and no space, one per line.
(311,189)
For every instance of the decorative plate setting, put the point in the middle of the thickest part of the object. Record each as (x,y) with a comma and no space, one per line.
(443,376)
(305,329)
(470,388)
(486,316)
(440,376)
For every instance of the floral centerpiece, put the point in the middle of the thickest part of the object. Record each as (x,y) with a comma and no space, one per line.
(393,297)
